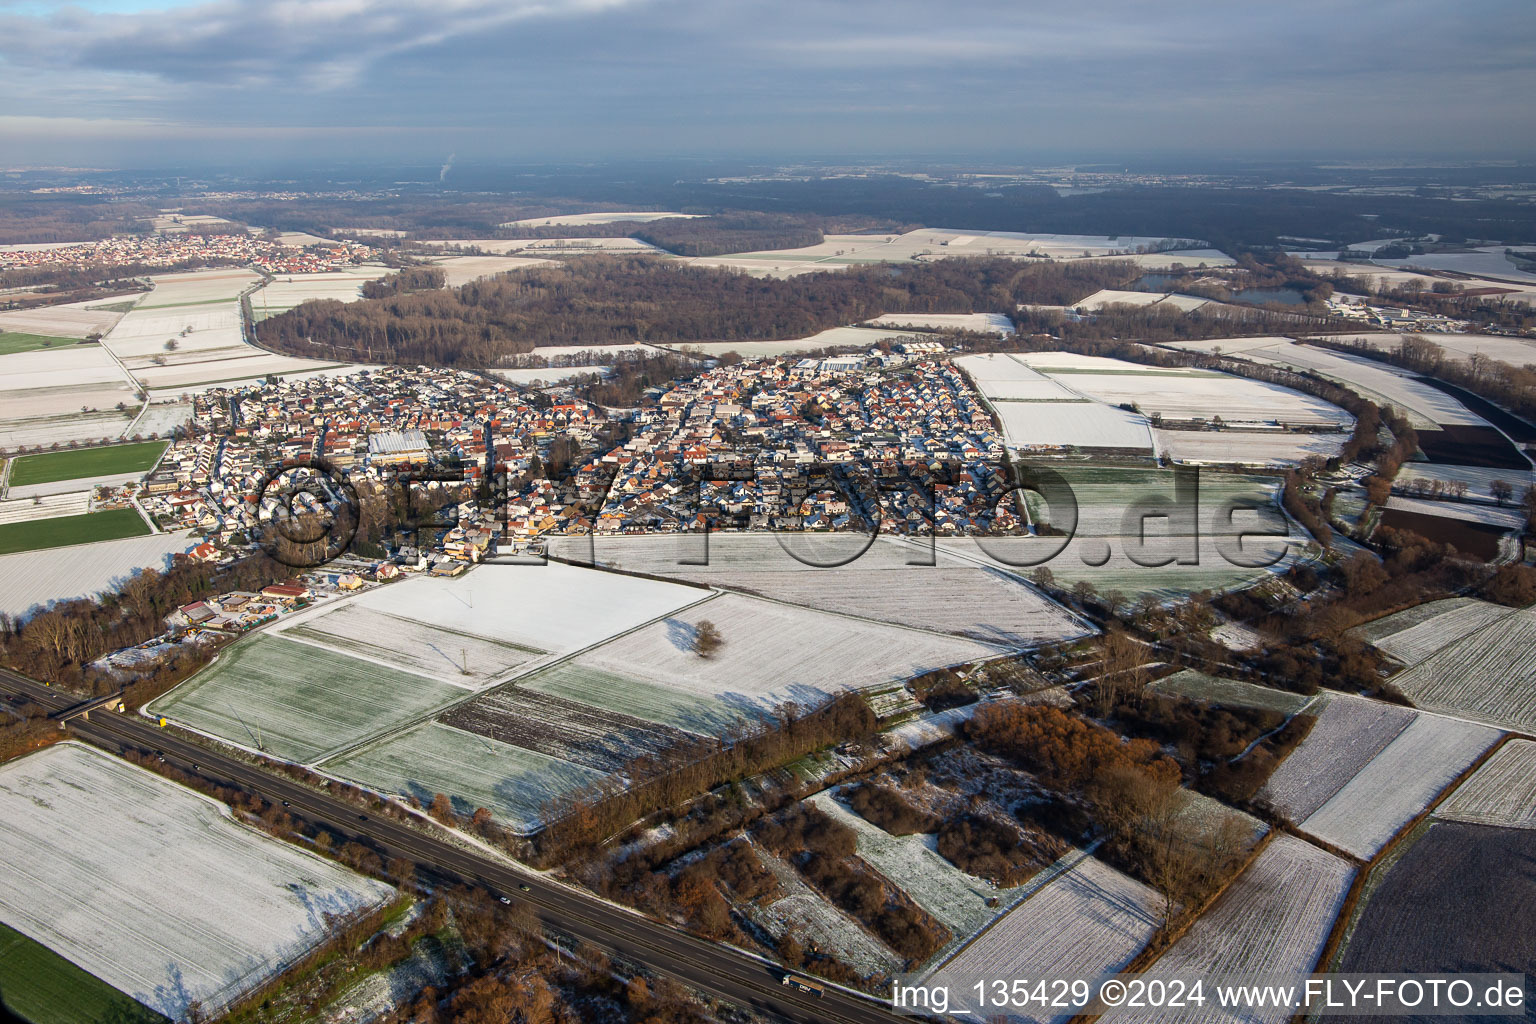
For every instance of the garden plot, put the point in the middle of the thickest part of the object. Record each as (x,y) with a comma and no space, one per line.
(1204,396)
(983,323)
(1398,783)
(1415,633)
(1273,920)
(31,579)
(461,659)
(805,913)
(1230,692)
(1088,921)
(69,320)
(298,701)
(557,608)
(773,653)
(568,730)
(1502,792)
(913,862)
(153,888)
(1257,448)
(1489,675)
(474,771)
(1350,731)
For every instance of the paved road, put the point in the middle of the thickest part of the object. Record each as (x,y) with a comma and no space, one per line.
(707,966)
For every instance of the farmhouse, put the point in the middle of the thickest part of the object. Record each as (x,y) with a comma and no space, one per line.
(286,594)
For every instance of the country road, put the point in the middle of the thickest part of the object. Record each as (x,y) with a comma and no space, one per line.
(707,966)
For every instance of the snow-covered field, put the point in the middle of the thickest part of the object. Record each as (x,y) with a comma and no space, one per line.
(1230,692)
(1245,448)
(288,291)
(832,337)
(160,418)
(43,391)
(774,652)
(153,888)
(1398,783)
(1350,731)
(604,217)
(460,659)
(474,770)
(554,607)
(913,862)
(1466,512)
(1273,920)
(1426,405)
(1000,376)
(1488,675)
(806,913)
(464,269)
(24,510)
(544,246)
(1514,351)
(1415,633)
(551,374)
(1502,792)
(1071,424)
(1477,478)
(299,701)
(1089,920)
(985,323)
(32,578)
(1199,394)
(66,320)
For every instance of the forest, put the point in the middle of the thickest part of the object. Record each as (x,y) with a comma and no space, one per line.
(605,301)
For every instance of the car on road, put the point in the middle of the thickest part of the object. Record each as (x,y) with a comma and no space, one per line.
(524,888)
(506,901)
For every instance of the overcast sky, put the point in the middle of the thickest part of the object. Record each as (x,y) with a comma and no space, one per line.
(138,81)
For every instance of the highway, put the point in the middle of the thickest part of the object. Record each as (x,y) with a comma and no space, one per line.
(698,963)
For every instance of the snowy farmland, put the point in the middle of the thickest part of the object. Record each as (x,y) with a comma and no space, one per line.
(1246,448)
(1230,692)
(774,652)
(464,269)
(1089,920)
(1204,395)
(284,293)
(153,888)
(602,217)
(298,701)
(1488,675)
(556,608)
(913,862)
(475,771)
(983,323)
(1415,633)
(29,579)
(1502,792)
(1350,731)
(1274,920)
(66,320)
(1398,783)
(1079,423)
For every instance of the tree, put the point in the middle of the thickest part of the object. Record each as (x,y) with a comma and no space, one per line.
(707,639)
(442,809)
(1501,491)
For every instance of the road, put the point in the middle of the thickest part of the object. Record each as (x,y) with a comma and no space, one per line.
(707,966)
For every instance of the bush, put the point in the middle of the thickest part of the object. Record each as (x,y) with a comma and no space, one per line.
(886,808)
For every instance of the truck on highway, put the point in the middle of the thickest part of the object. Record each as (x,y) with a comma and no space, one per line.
(806,985)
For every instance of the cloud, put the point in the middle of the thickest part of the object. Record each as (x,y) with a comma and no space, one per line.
(667,77)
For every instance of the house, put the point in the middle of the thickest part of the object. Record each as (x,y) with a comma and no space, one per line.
(287,594)
(204,552)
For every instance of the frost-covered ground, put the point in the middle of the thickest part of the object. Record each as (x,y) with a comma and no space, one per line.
(1488,675)
(805,912)
(1502,792)
(32,578)
(153,888)
(913,862)
(1198,394)
(1088,920)
(1350,731)
(475,771)
(1273,920)
(289,290)
(986,323)
(1398,783)
(1415,633)
(1256,448)
(602,217)
(297,700)
(1230,692)
(66,320)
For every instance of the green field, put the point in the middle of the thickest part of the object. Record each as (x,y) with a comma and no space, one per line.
(299,701)
(41,987)
(11,341)
(86,462)
(64,530)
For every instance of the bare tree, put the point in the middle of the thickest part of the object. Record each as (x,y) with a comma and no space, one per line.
(707,639)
